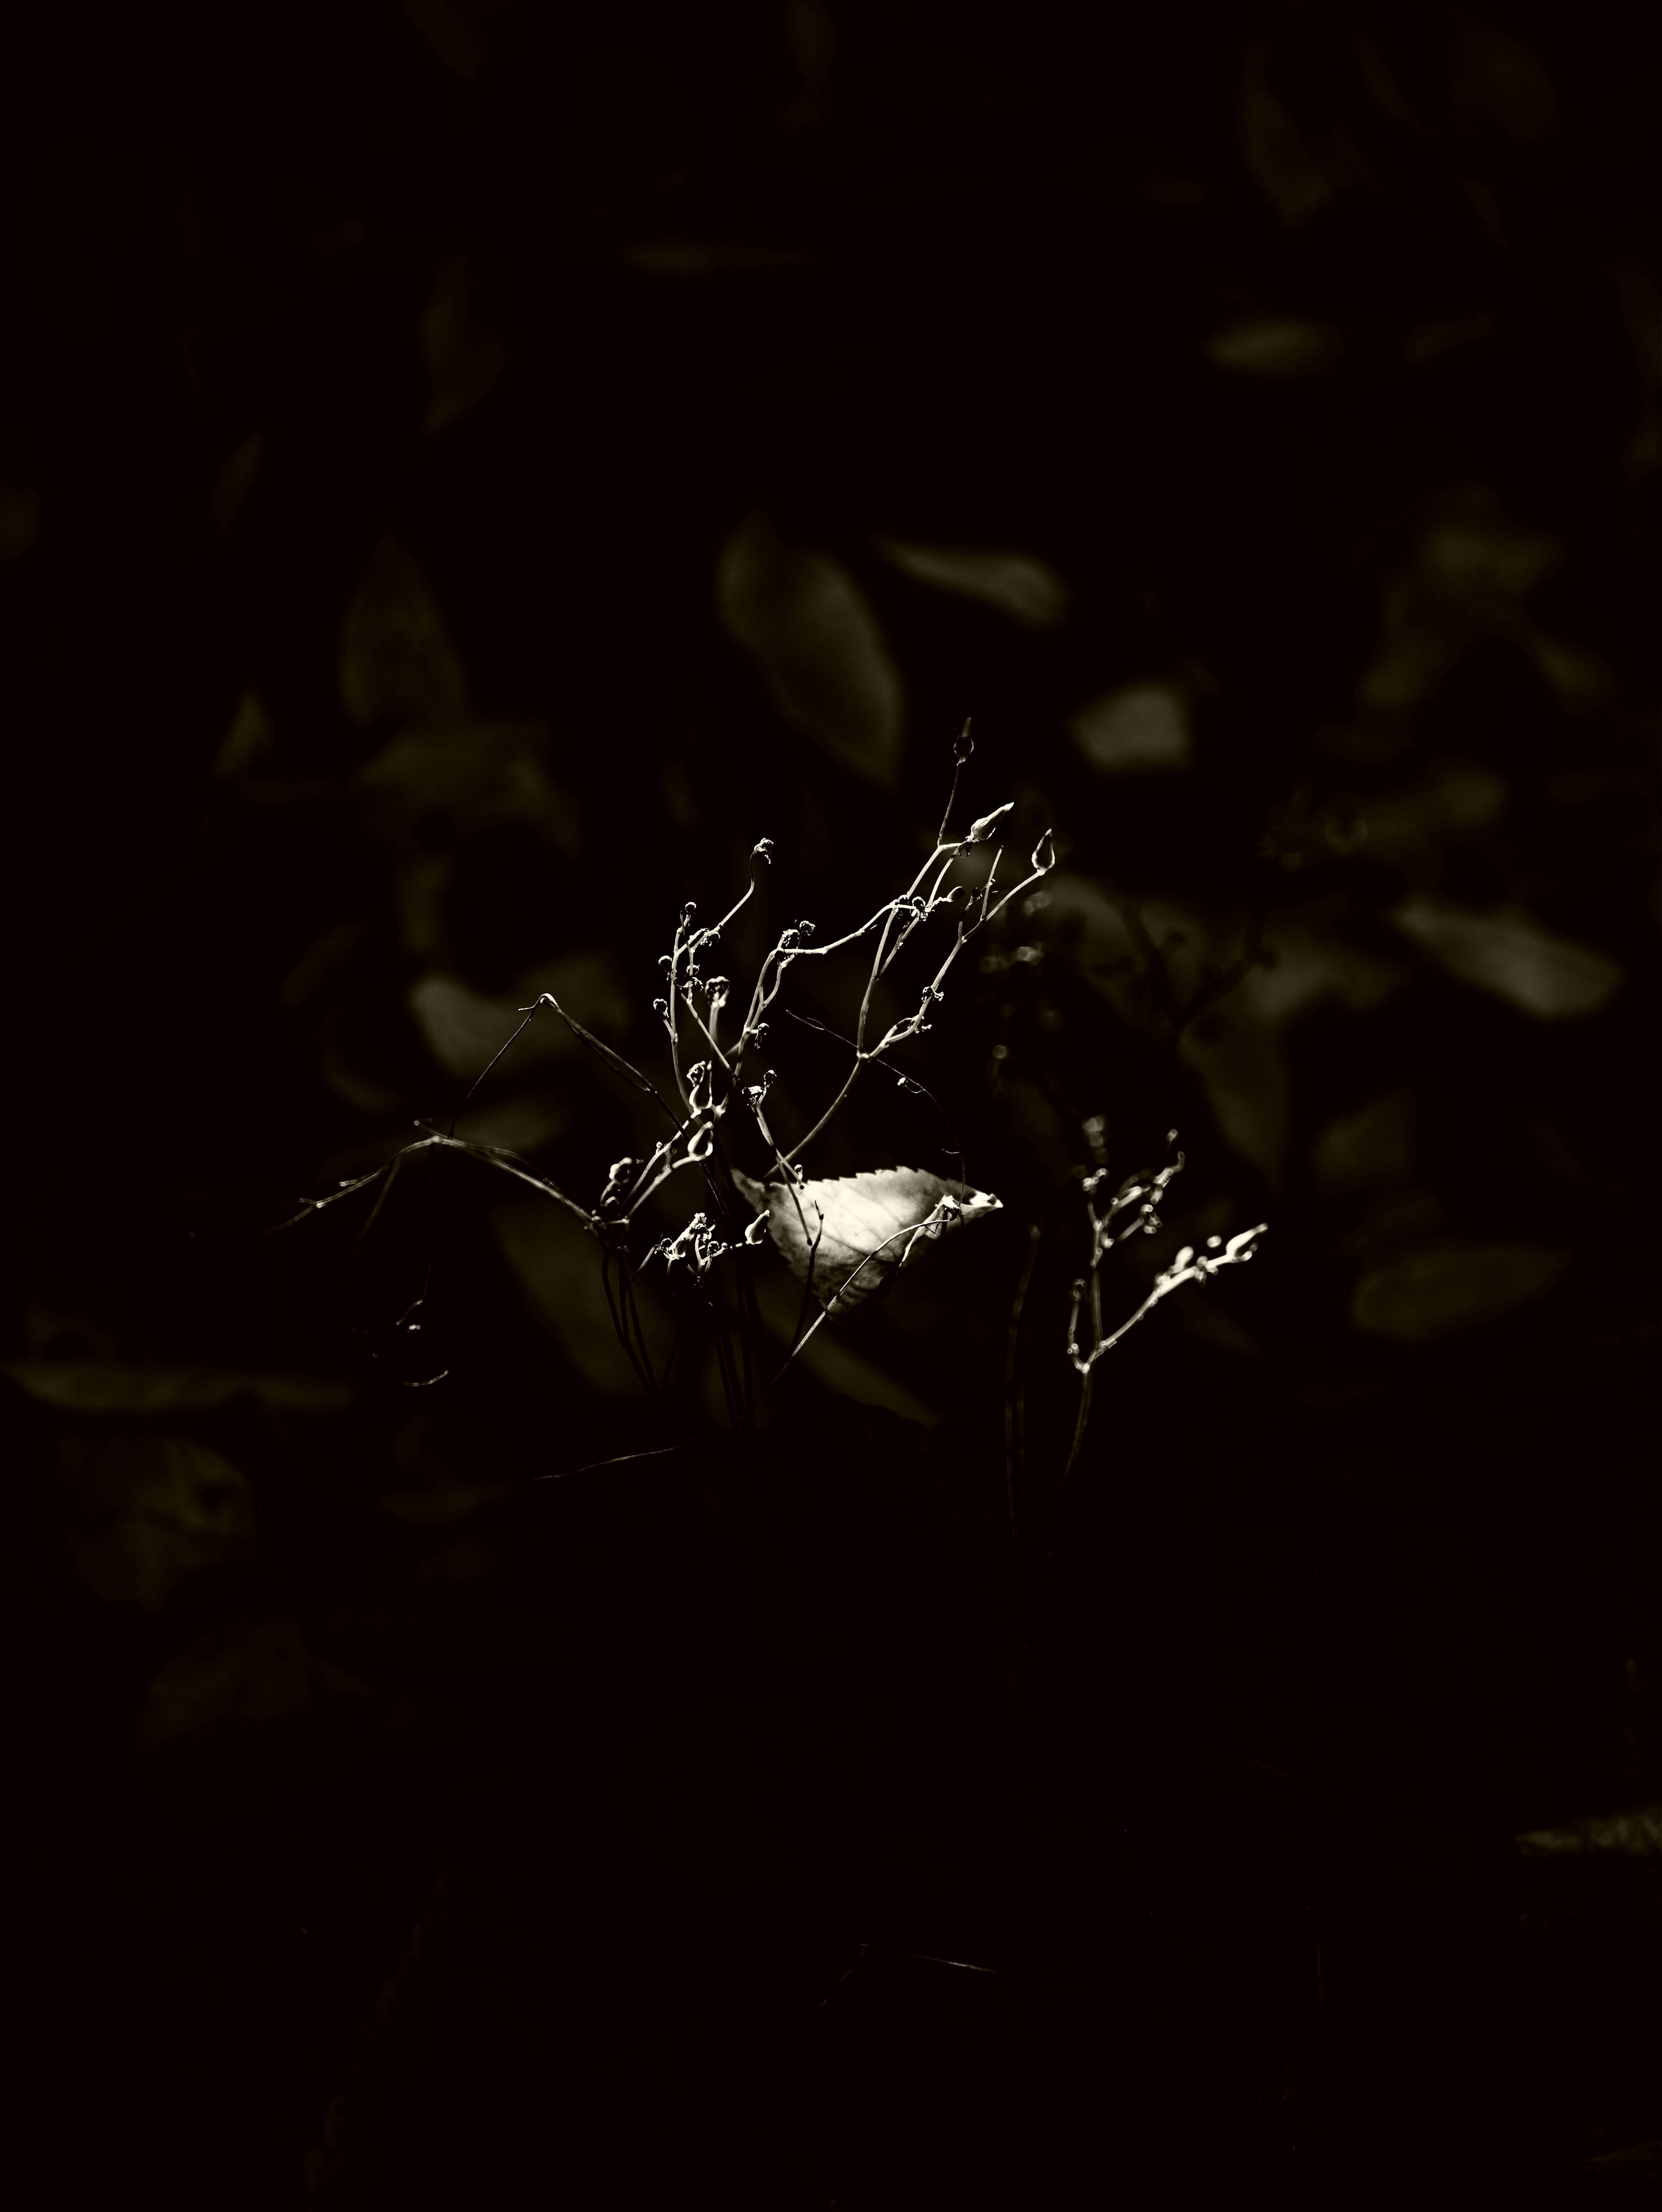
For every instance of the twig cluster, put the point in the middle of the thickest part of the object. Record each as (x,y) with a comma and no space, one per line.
(713,1071)
(1134,1211)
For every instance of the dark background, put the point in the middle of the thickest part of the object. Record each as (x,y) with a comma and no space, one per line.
(391,1828)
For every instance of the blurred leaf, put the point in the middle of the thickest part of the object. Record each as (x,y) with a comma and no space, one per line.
(1386,93)
(396,654)
(1636,2158)
(1403,1217)
(361,1093)
(558,1264)
(811,35)
(1242,1066)
(436,1507)
(235,480)
(1238,1049)
(860,1217)
(151,1510)
(1373,1146)
(420,887)
(445,30)
(1455,799)
(20,510)
(464,359)
(465,1031)
(697,257)
(1430,341)
(1471,571)
(516,1125)
(1579,678)
(1447,1284)
(1475,556)
(476,773)
(1138,730)
(245,741)
(1293,175)
(1498,81)
(813,634)
(318,963)
(1505,952)
(1641,312)
(89,1386)
(1274,345)
(239,1675)
(835,1364)
(1019,584)
(1643,451)
(1636,1833)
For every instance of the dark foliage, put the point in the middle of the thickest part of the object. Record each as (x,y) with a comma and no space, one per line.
(465,474)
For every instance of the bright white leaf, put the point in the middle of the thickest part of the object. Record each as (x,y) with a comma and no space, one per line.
(1019,584)
(1508,953)
(868,1226)
(1447,1285)
(816,639)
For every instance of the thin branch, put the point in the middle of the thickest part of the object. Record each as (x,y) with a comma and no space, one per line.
(913,1230)
(624,1459)
(1154,964)
(614,1060)
(1012,1439)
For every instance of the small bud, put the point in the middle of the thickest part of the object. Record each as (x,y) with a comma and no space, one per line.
(1045,852)
(762,849)
(962,743)
(1185,1254)
(805,929)
(660,1007)
(981,830)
